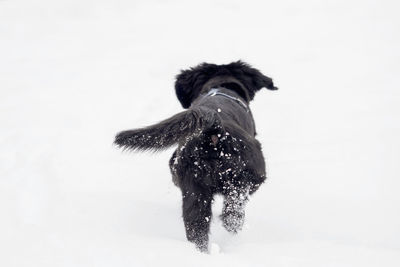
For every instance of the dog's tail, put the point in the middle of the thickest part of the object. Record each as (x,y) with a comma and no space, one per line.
(165,134)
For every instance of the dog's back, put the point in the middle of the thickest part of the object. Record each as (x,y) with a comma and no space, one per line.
(222,150)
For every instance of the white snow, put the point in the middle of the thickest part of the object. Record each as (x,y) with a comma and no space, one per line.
(74,73)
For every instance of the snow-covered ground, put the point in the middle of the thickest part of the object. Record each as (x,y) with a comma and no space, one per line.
(73,73)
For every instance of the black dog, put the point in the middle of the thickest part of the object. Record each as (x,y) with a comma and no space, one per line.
(217,151)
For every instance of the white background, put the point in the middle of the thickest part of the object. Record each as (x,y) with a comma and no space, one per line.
(73,73)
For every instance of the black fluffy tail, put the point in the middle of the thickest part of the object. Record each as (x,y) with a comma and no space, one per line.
(168,132)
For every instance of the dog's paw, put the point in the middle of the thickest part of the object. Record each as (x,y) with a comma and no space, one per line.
(233,221)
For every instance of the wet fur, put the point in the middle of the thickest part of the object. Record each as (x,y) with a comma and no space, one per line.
(217,151)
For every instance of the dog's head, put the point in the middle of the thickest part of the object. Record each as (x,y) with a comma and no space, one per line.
(237,76)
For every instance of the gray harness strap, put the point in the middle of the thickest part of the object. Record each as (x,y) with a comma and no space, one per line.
(215,91)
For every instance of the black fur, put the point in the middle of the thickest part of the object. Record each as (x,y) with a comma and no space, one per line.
(189,82)
(217,151)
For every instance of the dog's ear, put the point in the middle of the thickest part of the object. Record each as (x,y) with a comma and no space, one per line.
(261,81)
(252,78)
(184,87)
(189,83)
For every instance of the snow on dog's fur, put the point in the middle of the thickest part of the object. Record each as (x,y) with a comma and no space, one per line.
(217,151)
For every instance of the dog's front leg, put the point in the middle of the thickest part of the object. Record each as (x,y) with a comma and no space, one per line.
(197,215)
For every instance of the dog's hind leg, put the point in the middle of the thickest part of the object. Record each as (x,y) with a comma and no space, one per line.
(235,199)
(197,215)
